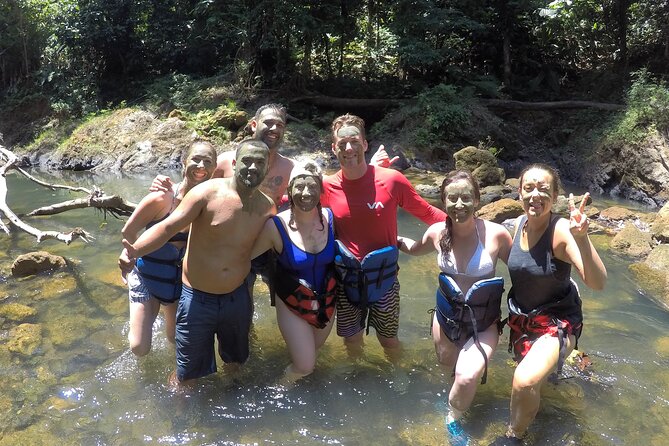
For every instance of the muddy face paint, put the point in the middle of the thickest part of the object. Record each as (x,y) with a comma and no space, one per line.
(537,192)
(349,139)
(305,193)
(460,201)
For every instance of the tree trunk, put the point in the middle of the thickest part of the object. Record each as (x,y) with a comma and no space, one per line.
(547,106)
(622,6)
(306,58)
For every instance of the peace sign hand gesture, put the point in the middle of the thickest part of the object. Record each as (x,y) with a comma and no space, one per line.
(578,221)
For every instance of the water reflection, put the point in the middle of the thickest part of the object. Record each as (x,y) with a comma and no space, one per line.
(79,384)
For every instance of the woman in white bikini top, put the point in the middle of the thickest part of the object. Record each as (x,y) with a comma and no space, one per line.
(468,249)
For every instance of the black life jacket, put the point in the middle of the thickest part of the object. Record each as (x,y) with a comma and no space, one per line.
(463,316)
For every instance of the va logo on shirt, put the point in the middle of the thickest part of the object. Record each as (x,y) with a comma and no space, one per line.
(375,205)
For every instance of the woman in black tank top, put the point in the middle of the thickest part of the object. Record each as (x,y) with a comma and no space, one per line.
(545,248)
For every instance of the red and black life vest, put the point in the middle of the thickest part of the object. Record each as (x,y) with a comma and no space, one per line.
(300,298)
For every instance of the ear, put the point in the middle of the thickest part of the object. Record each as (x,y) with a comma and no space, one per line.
(365,145)
(334,149)
(254,125)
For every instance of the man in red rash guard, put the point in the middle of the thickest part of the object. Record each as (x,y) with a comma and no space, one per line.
(364,200)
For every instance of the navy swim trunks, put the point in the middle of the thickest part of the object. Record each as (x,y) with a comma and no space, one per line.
(200,317)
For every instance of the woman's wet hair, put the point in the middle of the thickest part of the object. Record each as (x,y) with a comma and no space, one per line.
(446,236)
(311,169)
(556,183)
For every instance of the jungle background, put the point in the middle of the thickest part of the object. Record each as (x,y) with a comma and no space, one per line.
(579,84)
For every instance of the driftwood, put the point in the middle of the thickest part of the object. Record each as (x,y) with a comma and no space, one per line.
(96,198)
(357,103)
(347,103)
(548,106)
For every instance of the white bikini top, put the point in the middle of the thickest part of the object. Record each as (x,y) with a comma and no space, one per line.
(480,266)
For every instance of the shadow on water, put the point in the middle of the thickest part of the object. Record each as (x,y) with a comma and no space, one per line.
(67,376)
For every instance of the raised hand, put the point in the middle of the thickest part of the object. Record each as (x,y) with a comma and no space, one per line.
(381,158)
(578,221)
(161,183)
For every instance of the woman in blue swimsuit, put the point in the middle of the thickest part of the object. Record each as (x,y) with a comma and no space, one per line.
(467,251)
(303,239)
(156,279)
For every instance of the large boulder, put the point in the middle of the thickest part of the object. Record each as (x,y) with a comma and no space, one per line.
(637,171)
(36,262)
(481,163)
(632,242)
(501,210)
(660,228)
(617,213)
(652,274)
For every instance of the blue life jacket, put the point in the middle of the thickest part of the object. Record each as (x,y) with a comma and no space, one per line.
(161,272)
(463,316)
(366,281)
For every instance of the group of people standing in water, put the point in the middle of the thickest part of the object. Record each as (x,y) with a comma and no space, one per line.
(330,256)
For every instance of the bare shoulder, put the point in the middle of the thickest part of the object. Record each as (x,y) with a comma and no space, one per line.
(224,166)
(495,229)
(283,165)
(562,231)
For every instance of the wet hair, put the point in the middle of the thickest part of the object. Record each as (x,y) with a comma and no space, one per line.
(277,108)
(350,120)
(446,236)
(187,153)
(311,169)
(555,176)
(251,142)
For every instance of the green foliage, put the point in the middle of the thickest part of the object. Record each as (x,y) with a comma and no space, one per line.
(647,110)
(489,145)
(445,111)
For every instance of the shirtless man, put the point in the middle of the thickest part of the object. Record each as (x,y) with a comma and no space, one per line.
(268,125)
(226,215)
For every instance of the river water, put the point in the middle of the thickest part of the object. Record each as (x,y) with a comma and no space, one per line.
(82,386)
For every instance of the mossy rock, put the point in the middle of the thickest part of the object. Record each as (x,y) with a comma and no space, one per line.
(489,175)
(36,262)
(653,281)
(660,228)
(16,312)
(501,210)
(617,213)
(25,339)
(470,158)
(661,346)
(66,331)
(632,242)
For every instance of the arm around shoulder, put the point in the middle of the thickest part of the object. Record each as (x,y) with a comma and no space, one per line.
(269,238)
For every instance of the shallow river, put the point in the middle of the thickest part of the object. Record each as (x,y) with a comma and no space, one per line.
(81,385)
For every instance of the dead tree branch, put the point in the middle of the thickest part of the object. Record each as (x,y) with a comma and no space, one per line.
(113,204)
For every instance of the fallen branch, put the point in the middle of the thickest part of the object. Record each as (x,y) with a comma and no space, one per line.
(557,105)
(112,204)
